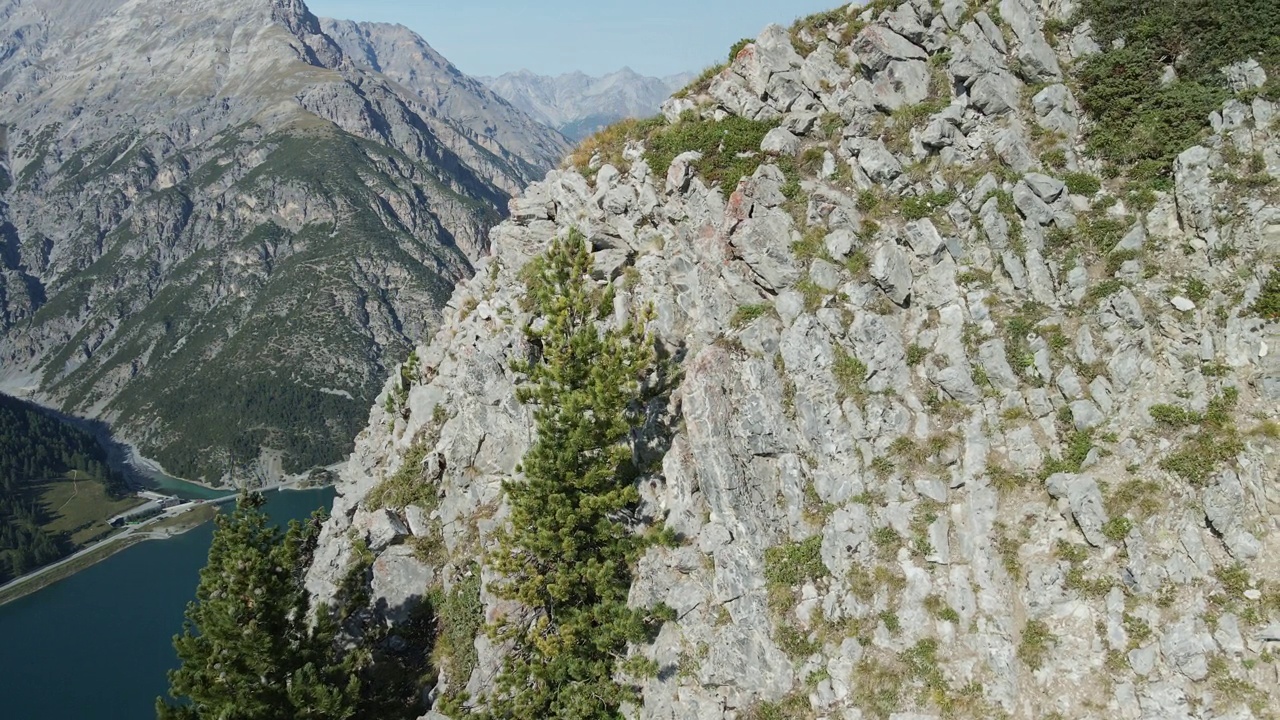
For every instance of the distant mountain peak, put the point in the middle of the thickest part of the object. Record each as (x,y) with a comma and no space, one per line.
(578,104)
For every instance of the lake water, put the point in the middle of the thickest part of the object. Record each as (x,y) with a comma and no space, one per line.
(96,646)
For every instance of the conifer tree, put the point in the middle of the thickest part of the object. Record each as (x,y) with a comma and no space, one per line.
(568,554)
(247,650)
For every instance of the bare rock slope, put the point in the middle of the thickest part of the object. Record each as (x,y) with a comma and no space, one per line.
(1014,433)
(218,230)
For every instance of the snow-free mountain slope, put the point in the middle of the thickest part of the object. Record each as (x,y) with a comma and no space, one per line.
(219,230)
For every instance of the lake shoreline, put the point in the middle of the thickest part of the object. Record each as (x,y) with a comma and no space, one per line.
(110,628)
(87,557)
(158,528)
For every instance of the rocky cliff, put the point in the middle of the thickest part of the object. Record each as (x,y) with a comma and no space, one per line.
(579,105)
(964,427)
(220,228)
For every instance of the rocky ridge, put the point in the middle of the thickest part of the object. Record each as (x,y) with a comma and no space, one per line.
(220,228)
(960,432)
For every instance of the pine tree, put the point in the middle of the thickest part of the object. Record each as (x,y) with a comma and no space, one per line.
(568,554)
(247,650)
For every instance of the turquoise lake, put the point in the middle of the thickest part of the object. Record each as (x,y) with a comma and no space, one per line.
(97,645)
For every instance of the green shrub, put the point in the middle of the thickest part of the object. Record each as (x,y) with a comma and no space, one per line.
(1117,259)
(1034,647)
(810,245)
(1196,289)
(406,486)
(610,142)
(916,355)
(857,263)
(701,83)
(792,707)
(793,564)
(1078,445)
(1142,123)
(1117,528)
(1217,441)
(1102,233)
(788,566)
(817,25)
(730,148)
(1055,158)
(851,374)
(795,643)
(926,205)
(940,609)
(459,618)
(1104,289)
(1267,306)
(1173,416)
(811,160)
(891,621)
(1079,183)
(1139,630)
(813,294)
(747,314)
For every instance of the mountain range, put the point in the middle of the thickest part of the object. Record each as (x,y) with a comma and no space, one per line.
(222,223)
(579,105)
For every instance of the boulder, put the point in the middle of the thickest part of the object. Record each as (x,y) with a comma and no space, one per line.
(877,161)
(780,141)
(1030,205)
(764,243)
(1245,75)
(891,269)
(1085,502)
(878,46)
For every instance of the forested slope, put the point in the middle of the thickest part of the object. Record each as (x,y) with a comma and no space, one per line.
(37,448)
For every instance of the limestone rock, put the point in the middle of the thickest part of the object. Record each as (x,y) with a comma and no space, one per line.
(868,392)
(1085,501)
(892,272)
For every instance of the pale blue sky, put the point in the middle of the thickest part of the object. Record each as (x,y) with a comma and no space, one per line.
(653,37)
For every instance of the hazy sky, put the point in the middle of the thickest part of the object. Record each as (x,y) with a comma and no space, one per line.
(653,37)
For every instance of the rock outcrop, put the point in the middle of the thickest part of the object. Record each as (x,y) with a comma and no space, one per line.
(1022,431)
(219,228)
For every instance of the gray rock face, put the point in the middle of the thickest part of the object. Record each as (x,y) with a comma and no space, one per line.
(1085,501)
(210,214)
(891,268)
(936,420)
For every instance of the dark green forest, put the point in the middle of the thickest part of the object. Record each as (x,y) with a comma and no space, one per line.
(35,447)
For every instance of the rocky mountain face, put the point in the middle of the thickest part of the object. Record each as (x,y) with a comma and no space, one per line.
(963,429)
(219,228)
(474,120)
(579,105)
